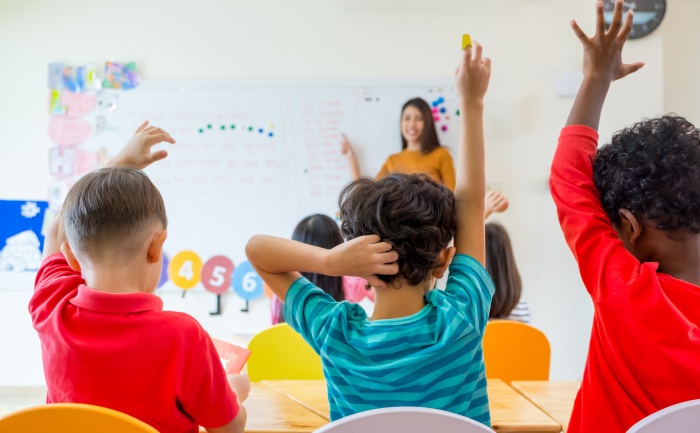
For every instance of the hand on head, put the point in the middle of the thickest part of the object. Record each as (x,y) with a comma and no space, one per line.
(472,75)
(137,152)
(365,257)
(602,53)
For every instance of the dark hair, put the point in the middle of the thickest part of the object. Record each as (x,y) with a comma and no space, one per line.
(652,169)
(109,207)
(320,231)
(416,214)
(428,137)
(500,264)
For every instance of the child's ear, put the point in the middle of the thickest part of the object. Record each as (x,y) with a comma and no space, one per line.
(445,257)
(631,226)
(155,249)
(70,257)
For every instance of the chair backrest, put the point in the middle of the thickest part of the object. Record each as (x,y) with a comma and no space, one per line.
(515,351)
(404,420)
(280,353)
(679,418)
(72,418)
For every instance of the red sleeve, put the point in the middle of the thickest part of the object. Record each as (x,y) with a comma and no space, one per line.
(54,282)
(606,267)
(206,394)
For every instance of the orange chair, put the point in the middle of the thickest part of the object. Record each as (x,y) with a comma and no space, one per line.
(71,418)
(515,351)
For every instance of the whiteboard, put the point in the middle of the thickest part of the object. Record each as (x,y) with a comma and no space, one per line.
(257,157)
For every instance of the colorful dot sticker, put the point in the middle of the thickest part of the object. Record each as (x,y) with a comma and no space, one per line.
(444,128)
(233,126)
(246,282)
(185,269)
(164,271)
(216,274)
(223,127)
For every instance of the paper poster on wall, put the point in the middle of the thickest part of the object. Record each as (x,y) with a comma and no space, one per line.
(21,236)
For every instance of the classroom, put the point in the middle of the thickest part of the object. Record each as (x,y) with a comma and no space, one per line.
(258,97)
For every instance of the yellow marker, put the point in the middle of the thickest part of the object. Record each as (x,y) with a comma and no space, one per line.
(466,41)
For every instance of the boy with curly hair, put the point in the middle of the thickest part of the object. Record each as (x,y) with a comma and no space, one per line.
(421,347)
(631,215)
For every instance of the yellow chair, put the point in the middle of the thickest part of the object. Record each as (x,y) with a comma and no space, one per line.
(515,351)
(71,418)
(279,353)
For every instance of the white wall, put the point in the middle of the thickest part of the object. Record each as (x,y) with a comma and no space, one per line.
(529,40)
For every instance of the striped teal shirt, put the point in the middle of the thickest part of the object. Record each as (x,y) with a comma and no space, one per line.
(430,359)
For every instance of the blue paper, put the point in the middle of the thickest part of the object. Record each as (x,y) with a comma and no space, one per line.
(21,237)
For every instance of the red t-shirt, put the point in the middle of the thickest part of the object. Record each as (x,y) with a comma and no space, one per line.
(122,351)
(644,353)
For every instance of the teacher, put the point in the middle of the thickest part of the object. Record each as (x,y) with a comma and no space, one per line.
(422,152)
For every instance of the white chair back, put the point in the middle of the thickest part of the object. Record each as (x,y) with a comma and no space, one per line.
(679,418)
(405,420)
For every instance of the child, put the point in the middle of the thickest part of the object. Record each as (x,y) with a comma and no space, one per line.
(321,231)
(105,339)
(500,264)
(631,215)
(421,347)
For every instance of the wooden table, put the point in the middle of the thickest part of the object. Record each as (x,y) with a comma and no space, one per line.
(510,411)
(268,410)
(554,398)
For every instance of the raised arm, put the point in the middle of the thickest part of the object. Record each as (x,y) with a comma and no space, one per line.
(472,81)
(278,261)
(602,64)
(136,153)
(605,265)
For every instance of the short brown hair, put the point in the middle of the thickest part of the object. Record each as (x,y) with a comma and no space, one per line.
(414,213)
(111,206)
(500,264)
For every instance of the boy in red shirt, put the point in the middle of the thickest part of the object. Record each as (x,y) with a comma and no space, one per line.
(631,216)
(105,339)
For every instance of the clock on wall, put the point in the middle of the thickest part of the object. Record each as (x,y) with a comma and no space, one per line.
(647,15)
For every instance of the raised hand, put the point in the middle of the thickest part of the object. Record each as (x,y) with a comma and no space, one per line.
(495,202)
(602,53)
(602,64)
(472,75)
(137,152)
(365,257)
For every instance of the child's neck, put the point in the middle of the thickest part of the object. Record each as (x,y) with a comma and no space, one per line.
(392,303)
(680,257)
(113,279)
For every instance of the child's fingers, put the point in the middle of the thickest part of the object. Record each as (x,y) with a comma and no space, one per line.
(467,55)
(616,23)
(388,257)
(579,33)
(626,28)
(157,156)
(628,69)
(600,19)
(374,281)
(388,269)
(160,138)
(142,127)
(478,49)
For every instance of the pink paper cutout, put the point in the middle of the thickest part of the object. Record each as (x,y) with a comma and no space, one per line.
(234,357)
(86,161)
(68,132)
(78,104)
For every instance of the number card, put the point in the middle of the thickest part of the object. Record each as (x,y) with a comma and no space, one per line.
(246,282)
(185,269)
(216,274)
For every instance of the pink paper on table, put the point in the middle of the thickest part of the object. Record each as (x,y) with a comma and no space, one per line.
(234,357)
(69,132)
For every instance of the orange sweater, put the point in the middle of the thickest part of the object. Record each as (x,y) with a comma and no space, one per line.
(437,165)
